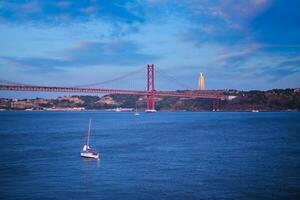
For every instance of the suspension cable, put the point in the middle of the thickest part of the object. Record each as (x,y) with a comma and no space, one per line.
(112,80)
(13,83)
(172,78)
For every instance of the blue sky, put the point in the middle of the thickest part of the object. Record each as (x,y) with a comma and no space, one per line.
(242,44)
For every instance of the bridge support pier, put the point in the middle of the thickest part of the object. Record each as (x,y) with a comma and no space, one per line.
(150,89)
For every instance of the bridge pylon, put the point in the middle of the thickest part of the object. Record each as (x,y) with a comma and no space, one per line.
(150,89)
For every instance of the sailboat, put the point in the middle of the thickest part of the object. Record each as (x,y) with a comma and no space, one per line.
(87,151)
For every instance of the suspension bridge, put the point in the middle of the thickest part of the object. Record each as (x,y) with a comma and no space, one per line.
(150,91)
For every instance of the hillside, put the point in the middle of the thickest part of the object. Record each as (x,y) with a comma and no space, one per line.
(272,100)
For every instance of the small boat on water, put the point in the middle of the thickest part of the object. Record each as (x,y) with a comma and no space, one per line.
(87,151)
(150,111)
(136,113)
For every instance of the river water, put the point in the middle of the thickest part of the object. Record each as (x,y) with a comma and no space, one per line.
(175,155)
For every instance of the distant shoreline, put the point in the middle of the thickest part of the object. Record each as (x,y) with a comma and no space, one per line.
(162,111)
(276,100)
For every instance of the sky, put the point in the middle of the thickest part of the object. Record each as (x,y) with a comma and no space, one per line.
(245,45)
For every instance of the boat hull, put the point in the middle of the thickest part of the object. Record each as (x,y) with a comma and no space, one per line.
(150,111)
(89,155)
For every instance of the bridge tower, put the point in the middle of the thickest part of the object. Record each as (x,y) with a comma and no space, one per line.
(150,89)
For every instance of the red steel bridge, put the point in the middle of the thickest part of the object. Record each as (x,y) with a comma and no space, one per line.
(150,92)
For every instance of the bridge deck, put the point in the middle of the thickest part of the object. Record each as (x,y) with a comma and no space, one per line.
(202,94)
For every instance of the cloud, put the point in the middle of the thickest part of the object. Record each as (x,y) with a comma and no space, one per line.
(87,54)
(30,7)
(240,22)
(224,55)
(120,52)
(231,39)
(283,69)
(46,64)
(63,4)
(62,11)
(223,22)
(254,62)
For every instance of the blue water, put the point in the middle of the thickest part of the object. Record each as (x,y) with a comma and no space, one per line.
(151,156)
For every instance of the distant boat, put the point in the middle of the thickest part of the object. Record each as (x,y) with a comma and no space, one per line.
(150,111)
(254,110)
(136,112)
(87,151)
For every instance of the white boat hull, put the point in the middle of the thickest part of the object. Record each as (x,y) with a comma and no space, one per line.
(89,155)
(150,111)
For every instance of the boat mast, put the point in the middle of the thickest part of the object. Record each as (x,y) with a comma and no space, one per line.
(89,132)
(136,107)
